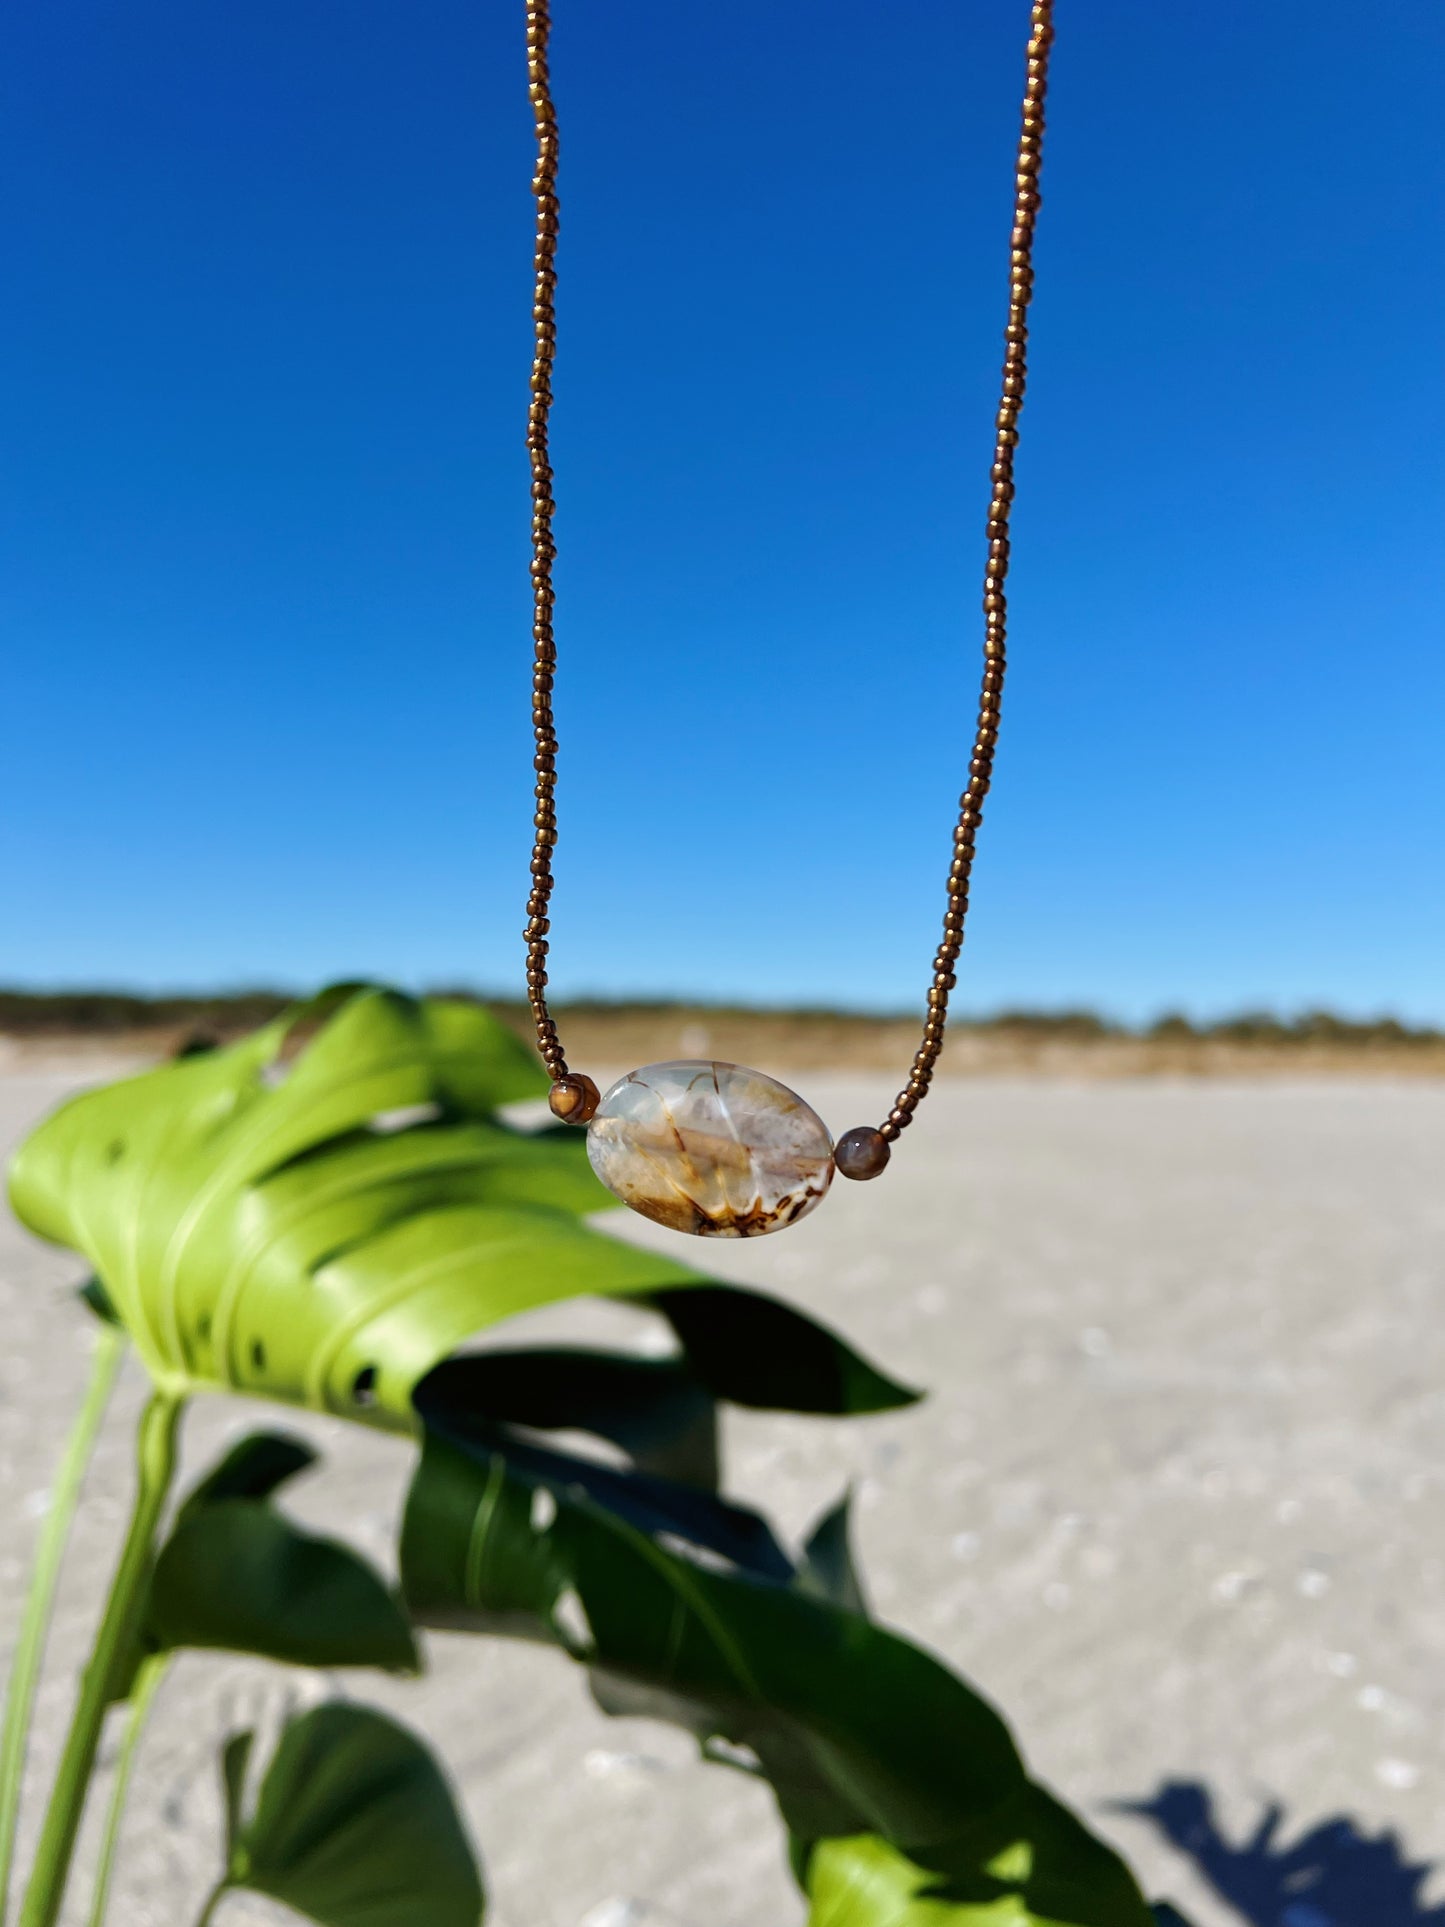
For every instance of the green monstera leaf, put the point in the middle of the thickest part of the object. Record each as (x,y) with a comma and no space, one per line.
(354,1826)
(828,1568)
(234,1574)
(858,1732)
(323,1229)
(661,1506)
(237,1575)
(864,1881)
(656,1410)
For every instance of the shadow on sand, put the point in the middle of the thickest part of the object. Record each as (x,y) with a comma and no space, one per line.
(1332,1876)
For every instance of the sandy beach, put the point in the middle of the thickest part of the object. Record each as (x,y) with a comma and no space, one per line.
(1176,1501)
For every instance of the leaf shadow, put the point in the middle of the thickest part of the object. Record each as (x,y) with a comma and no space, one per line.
(1334,1875)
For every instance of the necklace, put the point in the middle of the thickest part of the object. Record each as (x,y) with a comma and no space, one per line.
(716,1149)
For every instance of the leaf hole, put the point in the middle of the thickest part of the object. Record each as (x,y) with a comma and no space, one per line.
(706,1558)
(298,1036)
(258,1354)
(722,1751)
(198,1043)
(544,1509)
(115,1150)
(387,1123)
(363,1386)
(569,1616)
(529,1115)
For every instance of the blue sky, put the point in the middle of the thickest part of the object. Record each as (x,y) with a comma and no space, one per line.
(263,589)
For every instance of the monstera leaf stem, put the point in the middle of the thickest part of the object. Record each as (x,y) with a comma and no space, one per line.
(30,1645)
(147,1684)
(118,1631)
(213,1900)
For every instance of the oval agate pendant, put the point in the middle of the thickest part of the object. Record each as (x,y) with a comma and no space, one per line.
(711,1148)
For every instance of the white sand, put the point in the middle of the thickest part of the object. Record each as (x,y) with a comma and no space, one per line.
(1177,1502)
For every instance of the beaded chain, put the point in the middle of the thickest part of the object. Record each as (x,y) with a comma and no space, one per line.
(864,1151)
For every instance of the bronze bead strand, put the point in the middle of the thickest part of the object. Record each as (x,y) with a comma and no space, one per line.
(863,1152)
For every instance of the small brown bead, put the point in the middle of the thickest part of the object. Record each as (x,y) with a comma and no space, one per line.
(861,1152)
(573,1098)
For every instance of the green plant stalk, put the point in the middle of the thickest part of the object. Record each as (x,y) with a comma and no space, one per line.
(156,1459)
(148,1679)
(35,1623)
(213,1901)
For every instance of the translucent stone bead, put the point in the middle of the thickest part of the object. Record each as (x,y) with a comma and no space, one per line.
(861,1152)
(711,1148)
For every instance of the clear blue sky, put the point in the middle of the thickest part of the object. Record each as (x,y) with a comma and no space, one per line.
(263,572)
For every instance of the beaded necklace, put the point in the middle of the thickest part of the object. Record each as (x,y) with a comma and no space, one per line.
(716,1149)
